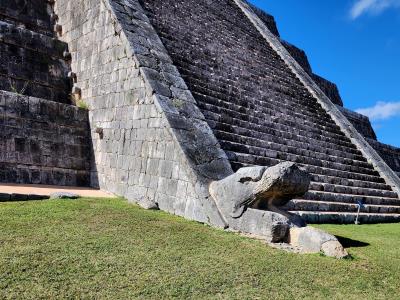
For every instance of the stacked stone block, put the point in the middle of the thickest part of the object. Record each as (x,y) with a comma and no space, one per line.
(43,142)
(43,139)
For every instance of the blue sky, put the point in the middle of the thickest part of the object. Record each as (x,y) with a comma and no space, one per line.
(354,43)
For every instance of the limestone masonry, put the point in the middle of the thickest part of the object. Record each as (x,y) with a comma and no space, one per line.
(181,94)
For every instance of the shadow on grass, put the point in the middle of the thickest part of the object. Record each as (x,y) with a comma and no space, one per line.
(349,243)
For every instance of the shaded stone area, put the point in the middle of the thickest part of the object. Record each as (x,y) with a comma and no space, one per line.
(299,55)
(329,88)
(32,14)
(43,139)
(33,62)
(43,142)
(260,112)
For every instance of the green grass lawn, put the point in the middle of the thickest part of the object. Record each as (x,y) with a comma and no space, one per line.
(91,248)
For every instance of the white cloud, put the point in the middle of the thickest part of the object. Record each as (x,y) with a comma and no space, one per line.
(361,7)
(381,111)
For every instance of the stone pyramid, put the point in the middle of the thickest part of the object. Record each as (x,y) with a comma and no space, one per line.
(182,93)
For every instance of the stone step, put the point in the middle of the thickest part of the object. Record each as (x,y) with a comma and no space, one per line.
(36,174)
(346,218)
(326,206)
(327,162)
(341,189)
(264,134)
(21,86)
(185,46)
(239,160)
(343,174)
(278,81)
(349,198)
(270,103)
(282,135)
(31,14)
(304,143)
(281,151)
(350,182)
(40,68)
(298,99)
(24,38)
(225,112)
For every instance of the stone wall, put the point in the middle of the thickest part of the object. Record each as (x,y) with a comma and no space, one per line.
(43,142)
(360,122)
(267,19)
(329,88)
(390,154)
(141,110)
(299,55)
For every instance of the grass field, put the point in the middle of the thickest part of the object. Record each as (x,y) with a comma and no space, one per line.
(91,248)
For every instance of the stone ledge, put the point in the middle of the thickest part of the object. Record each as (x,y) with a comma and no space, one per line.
(21,197)
(25,38)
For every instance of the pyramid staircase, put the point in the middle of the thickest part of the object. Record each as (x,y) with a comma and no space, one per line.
(262,114)
(44,138)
